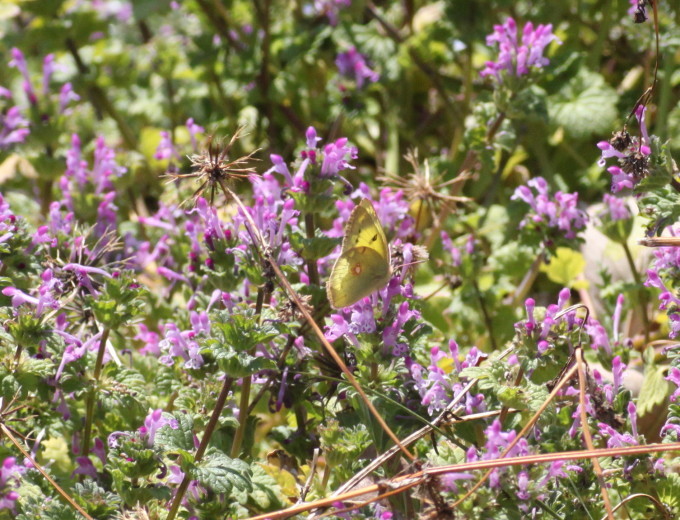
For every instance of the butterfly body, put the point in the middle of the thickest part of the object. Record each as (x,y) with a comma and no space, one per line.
(363,266)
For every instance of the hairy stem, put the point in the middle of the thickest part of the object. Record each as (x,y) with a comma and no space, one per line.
(246,383)
(89,406)
(643,299)
(209,429)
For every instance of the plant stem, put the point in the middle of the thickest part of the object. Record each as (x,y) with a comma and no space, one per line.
(246,383)
(312,270)
(6,431)
(209,429)
(242,417)
(643,301)
(485,313)
(89,406)
(528,280)
(99,100)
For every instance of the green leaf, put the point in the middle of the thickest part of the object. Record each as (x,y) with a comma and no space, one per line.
(585,106)
(221,473)
(177,439)
(668,488)
(241,364)
(313,248)
(655,389)
(119,301)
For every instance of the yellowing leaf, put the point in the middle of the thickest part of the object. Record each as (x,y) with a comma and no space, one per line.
(283,478)
(565,268)
(56,451)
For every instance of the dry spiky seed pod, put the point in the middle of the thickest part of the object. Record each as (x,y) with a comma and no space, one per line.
(213,168)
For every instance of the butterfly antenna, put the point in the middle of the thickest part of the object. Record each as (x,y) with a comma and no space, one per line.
(415,262)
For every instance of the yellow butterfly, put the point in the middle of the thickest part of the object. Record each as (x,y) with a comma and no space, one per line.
(364,262)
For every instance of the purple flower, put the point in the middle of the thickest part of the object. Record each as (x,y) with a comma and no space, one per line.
(516,58)
(598,335)
(194,130)
(13,128)
(75,349)
(120,10)
(669,302)
(440,382)
(154,422)
(10,479)
(543,332)
(84,275)
(150,339)
(183,344)
(616,319)
(47,294)
(496,442)
(352,65)
(331,8)
(632,154)
(616,208)
(166,148)
(66,95)
(560,213)
(19,62)
(311,138)
(48,69)
(336,156)
(674,377)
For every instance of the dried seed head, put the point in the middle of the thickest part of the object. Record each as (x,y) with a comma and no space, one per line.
(620,140)
(636,164)
(213,168)
(640,15)
(426,192)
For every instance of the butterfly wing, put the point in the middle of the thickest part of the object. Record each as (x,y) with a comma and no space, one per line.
(364,230)
(364,263)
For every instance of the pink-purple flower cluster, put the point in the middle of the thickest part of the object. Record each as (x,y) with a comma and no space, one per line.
(667,267)
(517,56)
(335,157)
(331,9)
(14,127)
(353,66)
(542,331)
(632,154)
(8,222)
(440,381)
(183,344)
(47,296)
(560,212)
(79,178)
(615,208)
(154,422)
(10,479)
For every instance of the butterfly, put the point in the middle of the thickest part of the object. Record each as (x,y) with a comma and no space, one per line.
(364,262)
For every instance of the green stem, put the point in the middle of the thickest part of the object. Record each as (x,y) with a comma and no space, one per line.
(528,280)
(487,317)
(209,429)
(89,406)
(98,98)
(246,383)
(595,55)
(242,417)
(312,270)
(643,301)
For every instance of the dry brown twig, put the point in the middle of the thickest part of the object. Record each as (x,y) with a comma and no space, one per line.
(406,482)
(40,469)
